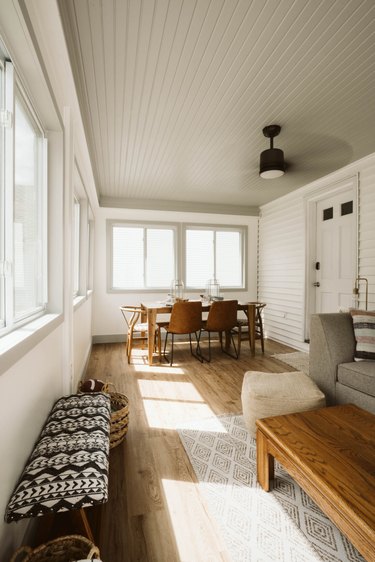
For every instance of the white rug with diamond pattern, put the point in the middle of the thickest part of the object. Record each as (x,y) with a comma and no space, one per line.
(280,526)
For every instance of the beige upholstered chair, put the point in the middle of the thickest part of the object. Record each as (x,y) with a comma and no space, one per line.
(186,318)
(136,330)
(222,317)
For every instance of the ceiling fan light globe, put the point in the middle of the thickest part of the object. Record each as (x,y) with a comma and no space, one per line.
(271,174)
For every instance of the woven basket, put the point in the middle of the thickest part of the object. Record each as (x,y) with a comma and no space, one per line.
(119,418)
(119,410)
(64,549)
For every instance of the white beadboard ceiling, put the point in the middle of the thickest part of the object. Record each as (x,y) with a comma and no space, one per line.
(174,95)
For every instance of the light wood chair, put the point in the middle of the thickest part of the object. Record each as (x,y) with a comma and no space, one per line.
(136,330)
(222,317)
(186,318)
(243,325)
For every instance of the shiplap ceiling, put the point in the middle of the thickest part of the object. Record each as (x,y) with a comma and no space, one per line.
(174,95)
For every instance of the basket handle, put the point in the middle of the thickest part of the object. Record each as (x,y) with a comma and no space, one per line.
(108,385)
(94,553)
(23,550)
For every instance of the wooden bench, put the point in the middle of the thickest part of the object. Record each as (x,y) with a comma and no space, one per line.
(68,467)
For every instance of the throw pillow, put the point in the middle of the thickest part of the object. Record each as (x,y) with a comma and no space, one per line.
(364,332)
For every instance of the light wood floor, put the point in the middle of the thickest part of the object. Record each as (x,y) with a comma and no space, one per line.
(154,512)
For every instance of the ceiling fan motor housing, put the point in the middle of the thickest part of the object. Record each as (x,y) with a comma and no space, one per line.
(272,163)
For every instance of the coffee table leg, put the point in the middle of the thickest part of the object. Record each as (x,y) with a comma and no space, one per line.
(265,462)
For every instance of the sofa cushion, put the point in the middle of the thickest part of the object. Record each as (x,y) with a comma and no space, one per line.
(360,376)
(364,332)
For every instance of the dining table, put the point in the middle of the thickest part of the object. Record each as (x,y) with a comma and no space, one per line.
(153,309)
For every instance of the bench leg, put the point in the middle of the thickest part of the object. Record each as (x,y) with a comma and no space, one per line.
(81,514)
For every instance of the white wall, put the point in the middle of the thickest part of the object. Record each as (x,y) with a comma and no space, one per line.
(283,251)
(81,339)
(50,359)
(27,391)
(107,319)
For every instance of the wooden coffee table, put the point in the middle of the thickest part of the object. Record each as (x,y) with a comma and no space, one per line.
(330,452)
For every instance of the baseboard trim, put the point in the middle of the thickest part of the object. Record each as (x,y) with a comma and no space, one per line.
(110,338)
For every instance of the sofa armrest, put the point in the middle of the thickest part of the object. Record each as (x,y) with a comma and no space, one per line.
(332,342)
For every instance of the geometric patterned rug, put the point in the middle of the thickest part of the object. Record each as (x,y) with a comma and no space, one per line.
(299,360)
(283,525)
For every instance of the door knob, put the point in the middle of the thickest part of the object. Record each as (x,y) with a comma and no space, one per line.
(317,284)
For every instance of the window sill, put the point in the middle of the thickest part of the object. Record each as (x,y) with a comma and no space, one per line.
(16,344)
(78,300)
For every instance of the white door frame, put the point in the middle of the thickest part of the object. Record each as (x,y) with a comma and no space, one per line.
(311,201)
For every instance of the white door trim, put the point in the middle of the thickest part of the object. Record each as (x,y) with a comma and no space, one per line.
(310,203)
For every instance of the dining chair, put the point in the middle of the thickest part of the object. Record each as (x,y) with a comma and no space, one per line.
(136,330)
(186,318)
(222,317)
(243,325)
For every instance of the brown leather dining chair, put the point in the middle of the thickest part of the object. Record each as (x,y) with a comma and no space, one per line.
(222,317)
(186,318)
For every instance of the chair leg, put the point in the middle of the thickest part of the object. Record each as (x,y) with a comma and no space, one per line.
(261,335)
(260,328)
(130,345)
(239,337)
(197,354)
(236,352)
(208,359)
(159,344)
(165,346)
(171,361)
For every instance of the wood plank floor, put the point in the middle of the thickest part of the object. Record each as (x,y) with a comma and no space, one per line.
(154,512)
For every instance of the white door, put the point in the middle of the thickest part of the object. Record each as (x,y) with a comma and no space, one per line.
(335,266)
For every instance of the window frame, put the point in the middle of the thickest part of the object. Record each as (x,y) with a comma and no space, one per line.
(180,253)
(11,320)
(145,225)
(76,236)
(241,229)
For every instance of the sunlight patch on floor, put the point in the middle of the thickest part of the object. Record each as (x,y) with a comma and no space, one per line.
(169,390)
(169,414)
(158,369)
(189,522)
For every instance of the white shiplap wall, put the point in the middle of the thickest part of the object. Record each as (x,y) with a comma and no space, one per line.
(282,269)
(282,252)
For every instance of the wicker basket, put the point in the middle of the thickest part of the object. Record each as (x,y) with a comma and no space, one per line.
(119,418)
(64,549)
(119,410)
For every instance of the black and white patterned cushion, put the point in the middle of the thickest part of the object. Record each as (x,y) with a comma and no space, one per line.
(68,468)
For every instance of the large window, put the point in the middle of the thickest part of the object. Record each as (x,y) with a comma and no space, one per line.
(23,209)
(214,253)
(143,256)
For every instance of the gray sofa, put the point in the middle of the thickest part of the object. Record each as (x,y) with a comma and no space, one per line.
(332,365)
